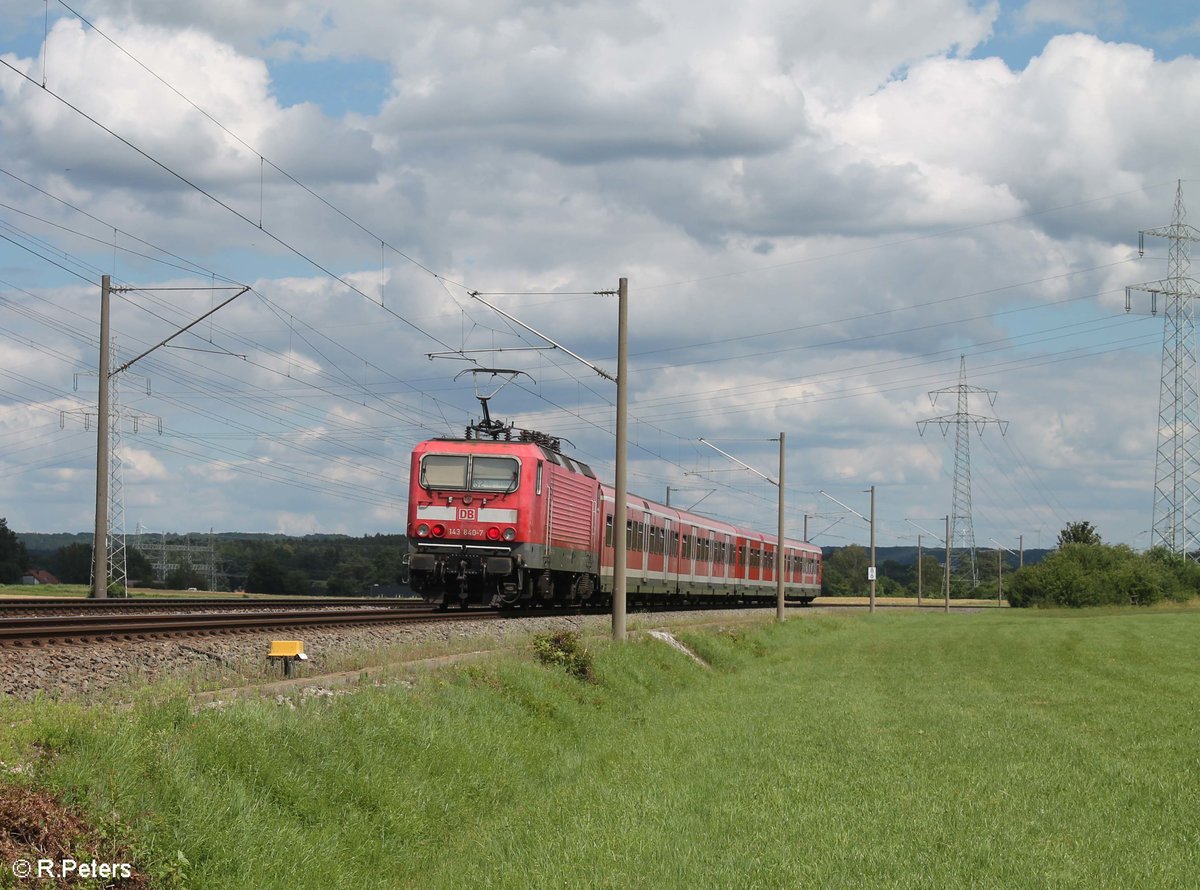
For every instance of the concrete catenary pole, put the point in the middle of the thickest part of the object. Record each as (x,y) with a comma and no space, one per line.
(999,576)
(874,570)
(947,606)
(100,538)
(619,508)
(780,561)
(919,555)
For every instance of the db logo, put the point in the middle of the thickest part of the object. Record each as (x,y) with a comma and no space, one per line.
(468,514)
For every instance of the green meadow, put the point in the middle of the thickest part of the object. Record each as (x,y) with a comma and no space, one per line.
(1008,748)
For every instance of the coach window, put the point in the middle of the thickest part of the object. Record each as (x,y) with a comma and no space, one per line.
(444,471)
(608,541)
(494,473)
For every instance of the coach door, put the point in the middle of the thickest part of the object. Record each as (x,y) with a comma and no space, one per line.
(666,547)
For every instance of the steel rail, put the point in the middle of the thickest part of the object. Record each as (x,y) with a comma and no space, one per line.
(17,630)
(43,603)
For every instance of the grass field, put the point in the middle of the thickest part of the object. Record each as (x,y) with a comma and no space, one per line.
(1002,749)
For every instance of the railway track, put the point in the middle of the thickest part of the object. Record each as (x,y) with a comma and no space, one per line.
(37,605)
(101,624)
(29,621)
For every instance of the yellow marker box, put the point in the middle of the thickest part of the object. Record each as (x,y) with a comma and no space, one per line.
(287,649)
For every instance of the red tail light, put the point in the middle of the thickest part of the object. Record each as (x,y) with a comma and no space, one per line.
(493,534)
(438,530)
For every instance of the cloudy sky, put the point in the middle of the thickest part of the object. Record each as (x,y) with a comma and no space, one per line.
(822,210)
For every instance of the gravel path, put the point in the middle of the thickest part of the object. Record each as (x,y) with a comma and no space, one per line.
(66,670)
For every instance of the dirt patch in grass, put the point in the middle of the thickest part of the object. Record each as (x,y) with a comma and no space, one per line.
(35,825)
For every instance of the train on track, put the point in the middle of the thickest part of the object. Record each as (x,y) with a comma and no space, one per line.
(513,521)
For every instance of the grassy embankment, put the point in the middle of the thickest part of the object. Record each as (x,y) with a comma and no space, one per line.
(1003,749)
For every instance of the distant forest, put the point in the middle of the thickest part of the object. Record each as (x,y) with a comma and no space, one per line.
(320,565)
(845,571)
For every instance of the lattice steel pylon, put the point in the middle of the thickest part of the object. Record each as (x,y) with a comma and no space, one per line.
(118,575)
(962,527)
(1177,465)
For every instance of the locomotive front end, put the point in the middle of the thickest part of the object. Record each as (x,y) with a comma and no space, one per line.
(469,515)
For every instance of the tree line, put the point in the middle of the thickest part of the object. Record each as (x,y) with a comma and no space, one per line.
(14,557)
(844,573)
(1081,571)
(323,565)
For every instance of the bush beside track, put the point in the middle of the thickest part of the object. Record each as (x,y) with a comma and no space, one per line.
(1103,574)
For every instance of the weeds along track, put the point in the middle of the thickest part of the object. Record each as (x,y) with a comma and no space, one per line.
(97,624)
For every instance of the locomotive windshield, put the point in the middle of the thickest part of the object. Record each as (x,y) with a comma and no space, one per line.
(493,473)
(461,472)
(444,471)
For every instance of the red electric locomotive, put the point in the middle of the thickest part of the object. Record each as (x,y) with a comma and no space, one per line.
(511,521)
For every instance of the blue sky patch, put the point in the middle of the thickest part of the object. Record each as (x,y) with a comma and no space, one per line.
(1171,28)
(358,85)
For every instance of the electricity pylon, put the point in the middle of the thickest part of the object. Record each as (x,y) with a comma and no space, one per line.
(962,528)
(1176,483)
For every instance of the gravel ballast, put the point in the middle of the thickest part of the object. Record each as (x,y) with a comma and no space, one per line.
(68,670)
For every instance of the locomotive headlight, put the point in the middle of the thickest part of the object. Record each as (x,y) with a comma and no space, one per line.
(510,534)
(423,530)
(438,530)
(493,534)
